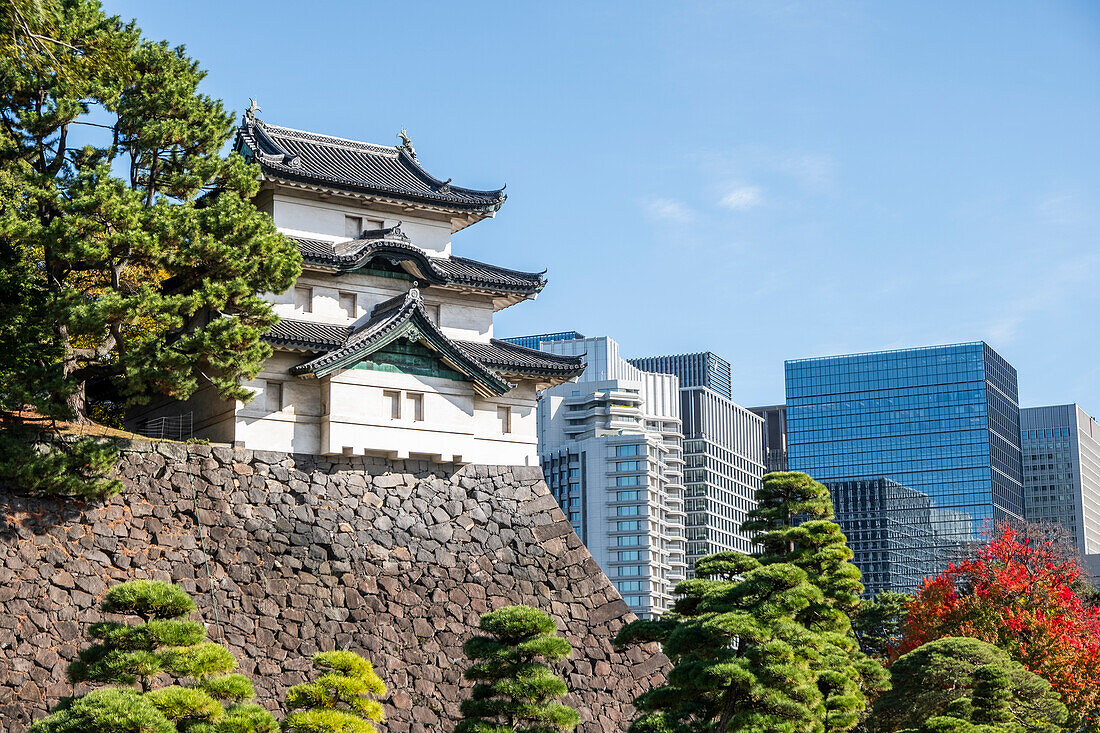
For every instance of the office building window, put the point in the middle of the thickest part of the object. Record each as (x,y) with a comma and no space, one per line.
(348,304)
(303,299)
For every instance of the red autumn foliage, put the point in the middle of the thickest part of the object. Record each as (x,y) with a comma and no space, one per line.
(1018,593)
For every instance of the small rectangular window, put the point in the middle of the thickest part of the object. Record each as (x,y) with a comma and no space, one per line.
(348,304)
(433,313)
(504,415)
(353,227)
(375,224)
(416,406)
(393,403)
(303,299)
(273,396)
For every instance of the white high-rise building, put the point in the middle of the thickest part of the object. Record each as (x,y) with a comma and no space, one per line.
(610,445)
(1060,448)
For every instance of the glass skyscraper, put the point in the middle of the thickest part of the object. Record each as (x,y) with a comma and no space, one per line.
(941,422)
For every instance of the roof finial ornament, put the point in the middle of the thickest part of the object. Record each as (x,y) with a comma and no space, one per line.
(406,142)
(253,108)
(414,293)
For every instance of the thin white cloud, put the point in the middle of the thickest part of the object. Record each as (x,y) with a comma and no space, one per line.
(743,198)
(670,210)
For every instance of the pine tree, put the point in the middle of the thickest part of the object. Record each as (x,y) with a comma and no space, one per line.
(148,256)
(765,642)
(794,519)
(339,700)
(165,643)
(740,659)
(958,683)
(514,691)
(877,623)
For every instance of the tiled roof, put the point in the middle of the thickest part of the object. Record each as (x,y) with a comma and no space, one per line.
(355,166)
(513,359)
(496,358)
(403,316)
(392,245)
(306,335)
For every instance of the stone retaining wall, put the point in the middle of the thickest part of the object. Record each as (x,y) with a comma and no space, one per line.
(395,560)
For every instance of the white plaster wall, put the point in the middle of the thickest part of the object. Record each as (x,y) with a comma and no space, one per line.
(304,217)
(296,426)
(462,317)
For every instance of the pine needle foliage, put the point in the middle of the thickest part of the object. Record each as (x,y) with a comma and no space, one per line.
(764,642)
(966,685)
(514,690)
(133,263)
(204,696)
(339,700)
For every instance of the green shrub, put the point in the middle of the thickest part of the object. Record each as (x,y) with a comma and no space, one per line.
(165,643)
(339,700)
(514,691)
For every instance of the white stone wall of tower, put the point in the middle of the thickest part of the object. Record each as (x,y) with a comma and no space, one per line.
(346,412)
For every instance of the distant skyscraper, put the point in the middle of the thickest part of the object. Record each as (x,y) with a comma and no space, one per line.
(704,369)
(1061,461)
(723,451)
(775,436)
(532,342)
(942,422)
(610,446)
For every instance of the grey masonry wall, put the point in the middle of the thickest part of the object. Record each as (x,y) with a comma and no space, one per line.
(395,560)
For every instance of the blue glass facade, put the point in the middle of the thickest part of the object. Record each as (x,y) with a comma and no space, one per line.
(942,421)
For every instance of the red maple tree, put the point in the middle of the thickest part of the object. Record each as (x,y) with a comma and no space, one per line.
(1018,593)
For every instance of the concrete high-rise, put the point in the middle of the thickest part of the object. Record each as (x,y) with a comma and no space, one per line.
(723,453)
(702,369)
(1061,464)
(775,436)
(611,451)
(940,422)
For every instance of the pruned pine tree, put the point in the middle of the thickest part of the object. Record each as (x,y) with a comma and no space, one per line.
(339,700)
(966,685)
(794,521)
(206,696)
(133,258)
(764,642)
(741,661)
(514,690)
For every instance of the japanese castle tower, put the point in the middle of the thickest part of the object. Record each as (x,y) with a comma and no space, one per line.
(385,345)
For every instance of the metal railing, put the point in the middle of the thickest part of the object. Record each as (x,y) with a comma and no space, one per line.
(169,427)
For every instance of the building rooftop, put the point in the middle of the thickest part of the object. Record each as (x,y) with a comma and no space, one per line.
(350,165)
(487,365)
(392,246)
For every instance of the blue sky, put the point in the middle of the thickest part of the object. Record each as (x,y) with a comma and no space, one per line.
(766,180)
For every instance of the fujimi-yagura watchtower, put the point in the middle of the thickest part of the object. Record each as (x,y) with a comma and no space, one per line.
(386,344)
